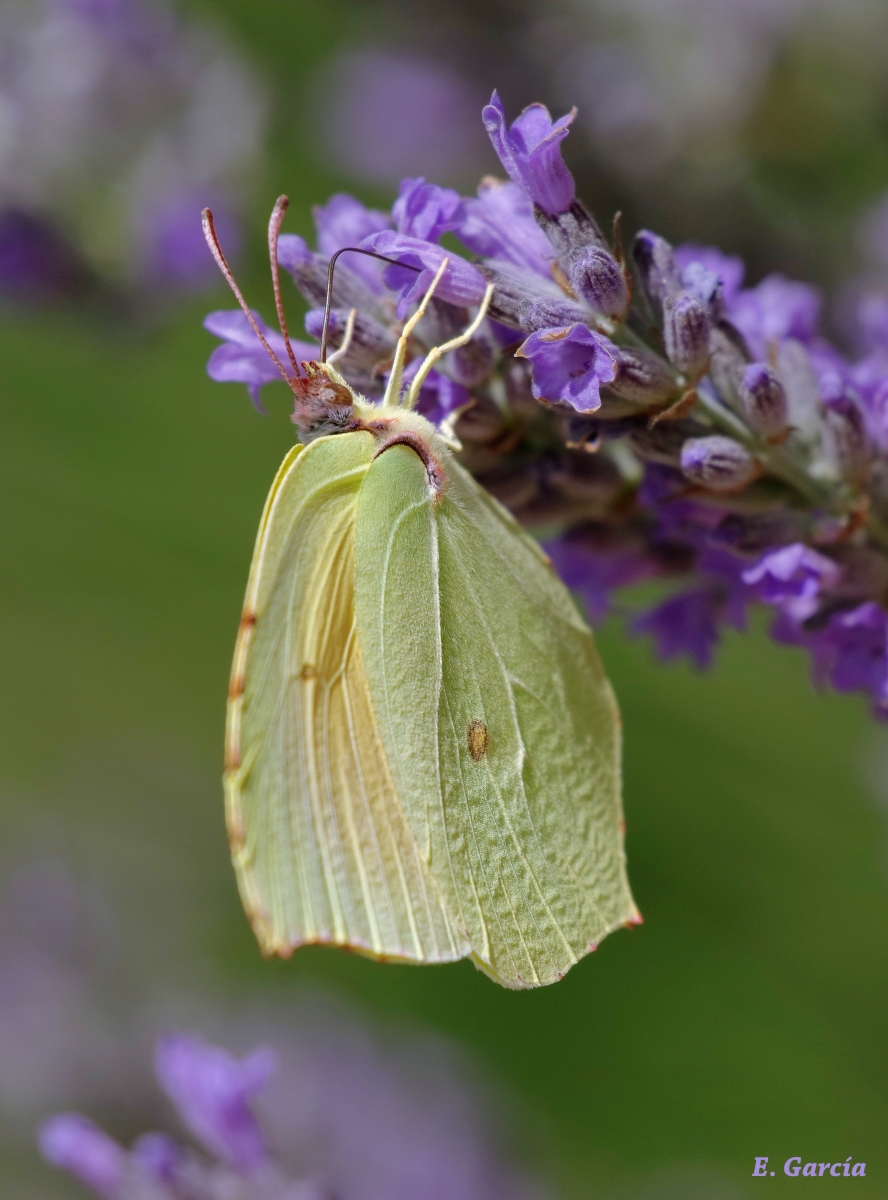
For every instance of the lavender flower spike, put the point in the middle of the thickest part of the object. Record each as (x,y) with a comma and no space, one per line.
(530,151)
(210,1089)
(569,365)
(75,1144)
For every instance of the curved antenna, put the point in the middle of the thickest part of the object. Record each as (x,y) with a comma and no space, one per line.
(354,250)
(212,240)
(274,230)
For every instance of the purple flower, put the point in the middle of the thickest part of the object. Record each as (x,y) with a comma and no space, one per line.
(776,308)
(793,578)
(530,151)
(700,266)
(424,210)
(851,652)
(597,572)
(210,1088)
(569,364)
(158,1156)
(685,624)
(500,224)
(859,652)
(345,221)
(461,283)
(242,358)
(75,1144)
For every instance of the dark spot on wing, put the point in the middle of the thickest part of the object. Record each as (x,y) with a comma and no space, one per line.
(477,739)
(308,672)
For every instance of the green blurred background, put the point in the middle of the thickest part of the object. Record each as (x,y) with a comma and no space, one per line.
(746,1016)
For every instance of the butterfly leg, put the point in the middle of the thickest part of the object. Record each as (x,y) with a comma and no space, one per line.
(346,341)
(393,390)
(439,351)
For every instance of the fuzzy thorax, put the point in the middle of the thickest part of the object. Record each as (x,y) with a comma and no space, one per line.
(327,405)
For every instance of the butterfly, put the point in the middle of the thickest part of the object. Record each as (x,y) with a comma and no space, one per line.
(422,747)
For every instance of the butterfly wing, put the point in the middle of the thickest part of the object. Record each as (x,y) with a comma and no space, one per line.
(501,730)
(321,846)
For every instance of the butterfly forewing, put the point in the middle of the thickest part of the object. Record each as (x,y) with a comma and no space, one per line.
(320,842)
(500,727)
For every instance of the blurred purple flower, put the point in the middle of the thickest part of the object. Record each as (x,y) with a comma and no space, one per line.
(210,1089)
(460,284)
(352,1116)
(850,652)
(792,578)
(36,263)
(696,261)
(684,624)
(775,309)
(595,573)
(394,114)
(119,100)
(172,247)
(569,365)
(75,1144)
(530,151)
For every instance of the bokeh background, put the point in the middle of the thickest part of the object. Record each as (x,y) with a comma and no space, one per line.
(746,1017)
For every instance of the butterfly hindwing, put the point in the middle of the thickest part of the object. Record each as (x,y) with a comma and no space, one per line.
(501,730)
(321,845)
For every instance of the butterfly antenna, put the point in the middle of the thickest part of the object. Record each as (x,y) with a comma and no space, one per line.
(212,240)
(329,300)
(274,231)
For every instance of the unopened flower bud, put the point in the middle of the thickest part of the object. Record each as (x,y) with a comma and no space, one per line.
(642,377)
(686,334)
(718,463)
(549,314)
(764,400)
(656,265)
(847,431)
(598,278)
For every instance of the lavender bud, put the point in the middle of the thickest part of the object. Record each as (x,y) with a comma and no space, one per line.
(662,444)
(642,377)
(729,359)
(718,463)
(518,290)
(686,334)
(656,265)
(549,314)
(847,430)
(598,278)
(764,400)
(569,231)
